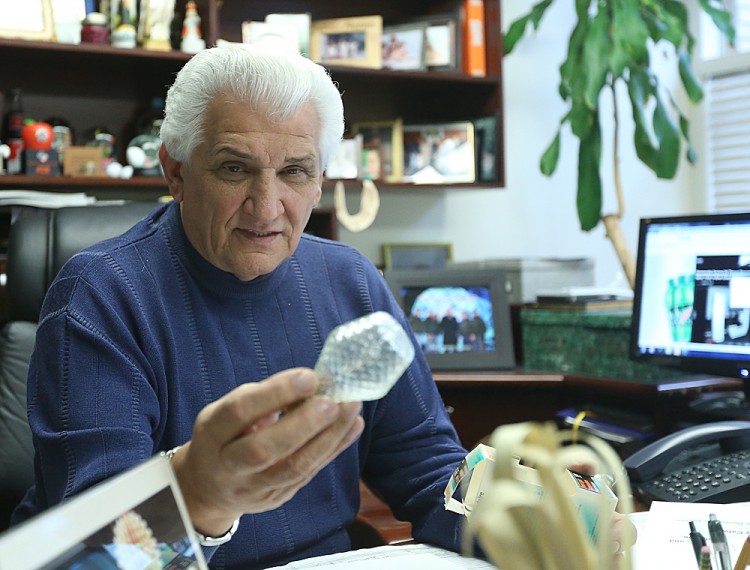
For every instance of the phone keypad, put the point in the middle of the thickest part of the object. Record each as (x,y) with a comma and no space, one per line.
(704,480)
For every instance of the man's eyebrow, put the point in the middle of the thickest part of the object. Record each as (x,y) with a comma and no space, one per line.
(233,151)
(300,159)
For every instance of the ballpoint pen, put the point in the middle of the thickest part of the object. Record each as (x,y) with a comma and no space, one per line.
(705,559)
(719,542)
(698,541)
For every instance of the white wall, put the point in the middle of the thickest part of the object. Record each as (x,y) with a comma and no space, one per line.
(533,215)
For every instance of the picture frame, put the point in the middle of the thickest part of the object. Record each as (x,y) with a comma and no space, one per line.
(477,332)
(27,20)
(416,255)
(442,41)
(439,153)
(486,142)
(386,140)
(353,42)
(403,47)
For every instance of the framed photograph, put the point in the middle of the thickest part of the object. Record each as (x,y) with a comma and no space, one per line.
(485,143)
(460,317)
(345,163)
(416,255)
(347,41)
(403,47)
(27,20)
(442,41)
(439,154)
(383,146)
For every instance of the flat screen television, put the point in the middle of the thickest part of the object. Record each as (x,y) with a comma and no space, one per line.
(691,305)
(460,317)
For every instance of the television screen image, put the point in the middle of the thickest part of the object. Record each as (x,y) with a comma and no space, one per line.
(451,319)
(460,317)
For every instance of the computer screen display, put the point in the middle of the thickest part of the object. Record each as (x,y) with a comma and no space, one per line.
(691,307)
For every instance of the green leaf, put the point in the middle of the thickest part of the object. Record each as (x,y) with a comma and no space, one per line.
(640,90)
(689,80)
(548,162)
(596,48)
(589,195)
(674,17)
(668,137)
(721,18)
(515,32)
(572,70)
(517,29)
(680,12)
(629,36)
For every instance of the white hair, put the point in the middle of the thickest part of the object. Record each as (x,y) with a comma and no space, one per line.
(273,82)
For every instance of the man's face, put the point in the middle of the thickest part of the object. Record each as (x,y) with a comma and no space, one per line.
(249,189)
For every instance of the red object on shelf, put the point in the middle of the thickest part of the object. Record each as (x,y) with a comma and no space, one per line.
(37,136)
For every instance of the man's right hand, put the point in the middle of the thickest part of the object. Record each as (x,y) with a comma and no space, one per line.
(253,449)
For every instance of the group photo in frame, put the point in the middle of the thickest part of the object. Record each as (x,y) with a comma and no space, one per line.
(416,255)
(353,42)
(460,317)
(26,20)
(382,149)
(403,47)
(440,153)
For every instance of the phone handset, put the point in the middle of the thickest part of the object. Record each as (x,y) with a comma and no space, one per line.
(649,462)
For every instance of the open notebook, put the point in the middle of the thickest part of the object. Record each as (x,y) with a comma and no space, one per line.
(135,520)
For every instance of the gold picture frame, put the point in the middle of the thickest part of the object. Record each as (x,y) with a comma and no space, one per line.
(386,140)
(353,42)
(27,20)
(416,255)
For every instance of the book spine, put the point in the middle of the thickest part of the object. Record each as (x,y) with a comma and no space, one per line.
(474,50)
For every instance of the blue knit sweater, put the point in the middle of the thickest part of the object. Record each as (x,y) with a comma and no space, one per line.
(139,333)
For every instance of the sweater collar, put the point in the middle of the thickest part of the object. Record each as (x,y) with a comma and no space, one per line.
(208,275)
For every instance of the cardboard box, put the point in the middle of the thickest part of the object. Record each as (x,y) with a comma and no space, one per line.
(83,161)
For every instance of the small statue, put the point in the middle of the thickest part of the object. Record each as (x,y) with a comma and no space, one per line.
(192,42)
(4,155)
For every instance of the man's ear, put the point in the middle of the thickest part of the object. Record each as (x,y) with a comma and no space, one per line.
(172,173)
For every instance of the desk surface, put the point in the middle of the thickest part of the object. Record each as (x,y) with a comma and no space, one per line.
(529,378)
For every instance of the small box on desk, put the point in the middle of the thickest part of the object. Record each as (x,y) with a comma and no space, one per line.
(41,162)
(579,342)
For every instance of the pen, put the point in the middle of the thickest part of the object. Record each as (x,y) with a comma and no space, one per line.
(719,542)
(698,541)
(705,562)
(744,558)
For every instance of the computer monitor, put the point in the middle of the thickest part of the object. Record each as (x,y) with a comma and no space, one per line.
(691,306)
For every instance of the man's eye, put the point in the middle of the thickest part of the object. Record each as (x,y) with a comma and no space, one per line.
(233,168)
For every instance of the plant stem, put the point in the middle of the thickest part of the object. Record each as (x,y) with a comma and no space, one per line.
(612,221)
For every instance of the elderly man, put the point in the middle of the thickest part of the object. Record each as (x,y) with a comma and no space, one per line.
(195,332)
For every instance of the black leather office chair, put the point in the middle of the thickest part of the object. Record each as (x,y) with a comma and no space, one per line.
(40,242)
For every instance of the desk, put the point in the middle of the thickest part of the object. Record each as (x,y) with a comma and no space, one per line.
(481,401)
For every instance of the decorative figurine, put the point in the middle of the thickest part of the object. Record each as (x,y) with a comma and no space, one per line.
(192,42)
(4,155)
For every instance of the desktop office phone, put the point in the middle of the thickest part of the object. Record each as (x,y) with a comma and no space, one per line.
(707,463)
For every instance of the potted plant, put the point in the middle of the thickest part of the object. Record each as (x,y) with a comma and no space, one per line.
(610,44)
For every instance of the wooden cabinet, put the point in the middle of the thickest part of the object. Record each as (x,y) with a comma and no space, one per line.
(103,86)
